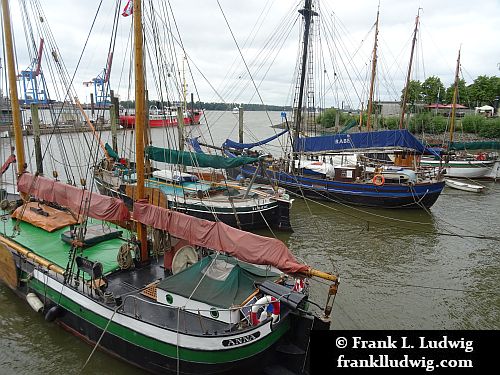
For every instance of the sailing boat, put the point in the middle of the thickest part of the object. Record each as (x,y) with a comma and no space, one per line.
(245,205)
(207,197)
(462,166)
(221,304)
(336,167)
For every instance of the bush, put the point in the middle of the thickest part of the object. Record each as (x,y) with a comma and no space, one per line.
(420,122)
(327,118)
(390,122)
(473,123)
(437,125)
(490,128)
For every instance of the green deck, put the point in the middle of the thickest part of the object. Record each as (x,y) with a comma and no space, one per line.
(51,247)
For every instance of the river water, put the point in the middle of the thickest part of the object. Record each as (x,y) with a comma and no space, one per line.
(398,269)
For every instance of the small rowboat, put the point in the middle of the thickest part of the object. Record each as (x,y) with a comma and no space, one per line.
(463,186)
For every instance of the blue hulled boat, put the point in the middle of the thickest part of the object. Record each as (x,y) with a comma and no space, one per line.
(371,169)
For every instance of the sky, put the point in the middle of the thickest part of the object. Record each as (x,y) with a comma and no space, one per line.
(221,74)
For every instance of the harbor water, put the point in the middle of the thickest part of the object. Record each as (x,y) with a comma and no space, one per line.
(399,269)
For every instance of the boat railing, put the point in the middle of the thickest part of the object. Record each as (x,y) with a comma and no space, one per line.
(154,312)
(154,110)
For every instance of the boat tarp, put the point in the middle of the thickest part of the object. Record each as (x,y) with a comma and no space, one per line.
(217,280)
(366,140)
(44,216)
(241,146)
(196,159)
(195,144)
(479,145)
(112,153)
(49,245)
(99,206)
(218,236)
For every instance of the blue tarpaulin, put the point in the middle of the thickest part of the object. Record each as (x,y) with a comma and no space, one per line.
(195,144)
(241,146)
(367,140)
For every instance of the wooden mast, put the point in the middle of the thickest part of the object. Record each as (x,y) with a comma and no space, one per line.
(16,111)
(372,81)
(140,119)
(405,97)
(455,99)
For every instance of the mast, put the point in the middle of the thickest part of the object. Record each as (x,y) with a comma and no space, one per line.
(455,99)
(405,97)
(307,13)
(372,81)
(184,87)
(140,117)
(11,68)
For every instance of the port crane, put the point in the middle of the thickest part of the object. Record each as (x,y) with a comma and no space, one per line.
(100,84)
(34,86)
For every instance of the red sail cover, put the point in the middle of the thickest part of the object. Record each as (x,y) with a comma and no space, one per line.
(218,236)
(100,207)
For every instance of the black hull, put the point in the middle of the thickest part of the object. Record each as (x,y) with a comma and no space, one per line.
(148,360)
(289,355)
(276,215)
(389,196)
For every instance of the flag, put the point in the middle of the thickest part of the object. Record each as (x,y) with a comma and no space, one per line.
(11,159)
(129,8)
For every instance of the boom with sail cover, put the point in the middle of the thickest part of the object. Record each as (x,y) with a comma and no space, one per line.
(241,146)
(196,159)
(99,206)
(218,236)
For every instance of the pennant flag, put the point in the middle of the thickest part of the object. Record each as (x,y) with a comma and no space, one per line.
(8,162)
(129,8)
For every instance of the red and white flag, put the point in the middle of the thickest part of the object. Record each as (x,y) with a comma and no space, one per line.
(129,9)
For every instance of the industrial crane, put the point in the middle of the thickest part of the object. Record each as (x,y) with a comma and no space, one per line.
(34,86)
(102,98)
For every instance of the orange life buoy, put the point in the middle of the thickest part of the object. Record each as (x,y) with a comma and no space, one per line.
(378,180)
(481,156)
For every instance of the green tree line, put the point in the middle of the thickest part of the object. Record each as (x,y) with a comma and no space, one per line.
(483,91)
(210,106)
(424,122)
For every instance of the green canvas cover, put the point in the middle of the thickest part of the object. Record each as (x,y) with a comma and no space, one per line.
(229,290)
(479,145)
(49,245)
(111,152)
(196,159)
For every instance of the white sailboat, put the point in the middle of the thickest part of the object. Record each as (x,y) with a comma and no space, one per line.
(462,166)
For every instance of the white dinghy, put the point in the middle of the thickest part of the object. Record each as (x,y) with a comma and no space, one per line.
(463,186)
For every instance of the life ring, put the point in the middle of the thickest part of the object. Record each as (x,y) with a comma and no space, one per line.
(481,156)
(378,180)
(264,302)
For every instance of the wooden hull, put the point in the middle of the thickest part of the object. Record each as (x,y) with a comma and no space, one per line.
(275,214)
(422,195)
(150,347)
